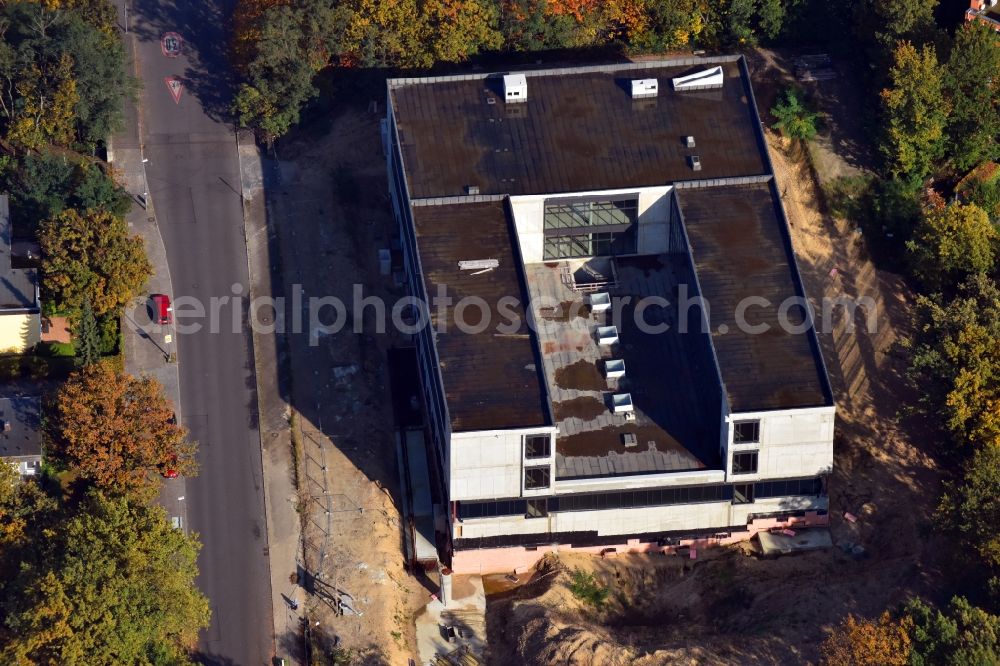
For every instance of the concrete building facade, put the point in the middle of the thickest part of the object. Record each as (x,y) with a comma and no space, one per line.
(640,371)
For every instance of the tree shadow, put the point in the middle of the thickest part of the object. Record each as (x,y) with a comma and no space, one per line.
(207,74)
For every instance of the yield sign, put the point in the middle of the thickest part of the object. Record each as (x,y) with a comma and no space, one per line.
(175,87)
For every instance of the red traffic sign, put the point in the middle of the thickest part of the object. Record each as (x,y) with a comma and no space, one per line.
(171,44)
(175,86)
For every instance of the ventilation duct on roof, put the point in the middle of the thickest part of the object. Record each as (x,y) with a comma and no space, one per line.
(515,88)
(707,79)
(644,88)
(622,403)
(607,335)
(614,368)
(479,265)
(600,301)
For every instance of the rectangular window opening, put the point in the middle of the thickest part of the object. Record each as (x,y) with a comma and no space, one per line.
(746,432)
(537,446)
(536,478)
(537,508)
(745,462)
(743,493)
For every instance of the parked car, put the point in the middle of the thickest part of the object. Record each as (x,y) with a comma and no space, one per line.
(163,311)
(167,470)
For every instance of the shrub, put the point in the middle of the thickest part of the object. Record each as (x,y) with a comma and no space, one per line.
(795,120)
(585,587)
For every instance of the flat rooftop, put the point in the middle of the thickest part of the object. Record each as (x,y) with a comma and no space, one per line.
(491,377)
(579,130)
(670,375)
(741,249)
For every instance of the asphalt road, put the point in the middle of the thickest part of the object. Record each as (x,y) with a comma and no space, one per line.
(194,182)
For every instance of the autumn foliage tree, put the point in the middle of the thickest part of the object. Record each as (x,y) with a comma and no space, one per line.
(955,362)
(970,507)
(916,113)
(91,256)
(62,70)
(973,88)
(116,431)
(112,582)
(861,642)
(952,242)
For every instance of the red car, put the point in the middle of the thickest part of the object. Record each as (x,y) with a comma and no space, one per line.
(167,470)
(163,311)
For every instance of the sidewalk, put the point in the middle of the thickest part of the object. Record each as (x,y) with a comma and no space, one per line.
(147,346)
(280,494)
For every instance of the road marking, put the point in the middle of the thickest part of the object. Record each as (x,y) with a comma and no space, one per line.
(171,44)
(175,87)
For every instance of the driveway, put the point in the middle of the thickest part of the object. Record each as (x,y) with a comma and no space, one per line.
(194,180)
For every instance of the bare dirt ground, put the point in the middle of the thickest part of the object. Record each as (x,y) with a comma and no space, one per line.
(327,194)
(731,608)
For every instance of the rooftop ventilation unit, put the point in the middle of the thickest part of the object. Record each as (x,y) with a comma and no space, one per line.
(644,88)
(515,88)
(689,141)
(614,368)
(479,265)
(704,80)
(695,163)
(629,440)
(472,189)
(600,301)
(607,335)
(621,403)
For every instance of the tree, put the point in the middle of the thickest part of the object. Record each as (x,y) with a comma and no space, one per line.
(955,361)
(861,642)
(794,120)
(63,75)
(972,85)
(88,337)
(881,25)
(970,506)
(529,25)
(91,256)
(915,112)
(280,47)
(114,583)
(962,634)
(48,98)
(116,430)
(668,24)
(951,243)
(744,20)
(458,29)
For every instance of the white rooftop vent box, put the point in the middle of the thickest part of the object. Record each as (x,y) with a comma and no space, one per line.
(689,141)
(515,88)
(621,403)
(695,163)
(607,335)
(600,301)
(704,80)
(614,368)
(644,88)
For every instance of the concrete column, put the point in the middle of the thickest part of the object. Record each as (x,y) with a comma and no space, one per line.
(445,586)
